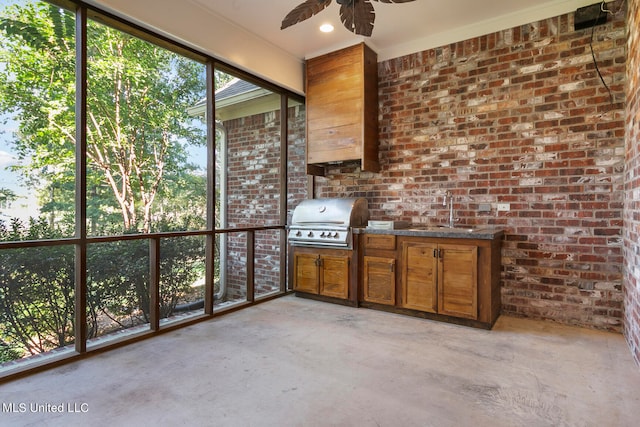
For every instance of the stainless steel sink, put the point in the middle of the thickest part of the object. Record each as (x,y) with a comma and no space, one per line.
(444,228)
(459,228)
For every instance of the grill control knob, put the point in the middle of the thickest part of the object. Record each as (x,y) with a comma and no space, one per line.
(299,233)
(323,234)
(310,234)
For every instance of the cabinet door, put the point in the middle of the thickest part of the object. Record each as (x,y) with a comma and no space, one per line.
(419,275)
(379,280)
(305,267)
(458,281)
(334,276)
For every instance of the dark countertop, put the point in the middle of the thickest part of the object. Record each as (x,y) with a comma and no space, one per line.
(460,232)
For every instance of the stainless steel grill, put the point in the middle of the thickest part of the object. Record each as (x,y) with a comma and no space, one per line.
(327,222)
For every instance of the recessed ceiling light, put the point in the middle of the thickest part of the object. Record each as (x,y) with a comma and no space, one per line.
(326,28)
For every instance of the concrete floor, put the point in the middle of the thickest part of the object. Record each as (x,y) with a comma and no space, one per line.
(296,362)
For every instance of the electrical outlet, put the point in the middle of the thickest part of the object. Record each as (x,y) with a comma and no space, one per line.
(503,207)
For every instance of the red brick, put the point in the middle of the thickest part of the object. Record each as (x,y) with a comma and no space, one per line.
(544,138)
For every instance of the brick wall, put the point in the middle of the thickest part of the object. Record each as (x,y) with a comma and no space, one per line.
(253,183)
(296,158)
(632,185)
(521,117)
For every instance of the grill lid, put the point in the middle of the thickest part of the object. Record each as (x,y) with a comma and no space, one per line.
(327,222)
(339,212)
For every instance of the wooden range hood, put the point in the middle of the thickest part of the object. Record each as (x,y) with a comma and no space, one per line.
(342,109)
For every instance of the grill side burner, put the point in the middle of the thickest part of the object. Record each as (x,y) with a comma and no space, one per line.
(327,222)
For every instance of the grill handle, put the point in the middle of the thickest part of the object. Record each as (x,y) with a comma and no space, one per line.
(323,222)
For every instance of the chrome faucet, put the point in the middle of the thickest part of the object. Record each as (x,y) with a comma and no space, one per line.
(449,197)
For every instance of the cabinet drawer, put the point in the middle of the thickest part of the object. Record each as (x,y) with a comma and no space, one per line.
(380,241)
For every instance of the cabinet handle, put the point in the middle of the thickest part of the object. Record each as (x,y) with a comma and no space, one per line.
(435,253)
(391,268)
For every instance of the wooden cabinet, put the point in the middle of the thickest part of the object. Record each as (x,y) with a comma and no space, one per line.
(455,279)
(440,278)
(379,269)
(342,109)
(322,272)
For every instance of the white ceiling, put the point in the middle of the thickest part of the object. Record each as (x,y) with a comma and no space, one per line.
(247,34)
(399,28)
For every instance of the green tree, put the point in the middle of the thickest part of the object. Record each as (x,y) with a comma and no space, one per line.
(37,285)
(138,135)
(137,125)
(6,197)
(37,91)
(36,291)
(118,277)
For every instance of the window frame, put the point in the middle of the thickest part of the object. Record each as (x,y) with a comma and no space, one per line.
(84,12)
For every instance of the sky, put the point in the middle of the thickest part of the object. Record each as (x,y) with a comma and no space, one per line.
(27,204)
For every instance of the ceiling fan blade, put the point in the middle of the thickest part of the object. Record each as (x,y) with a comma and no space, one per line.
(358,17)
(304,11)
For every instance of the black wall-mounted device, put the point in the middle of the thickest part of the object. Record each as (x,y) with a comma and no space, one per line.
(589,16)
